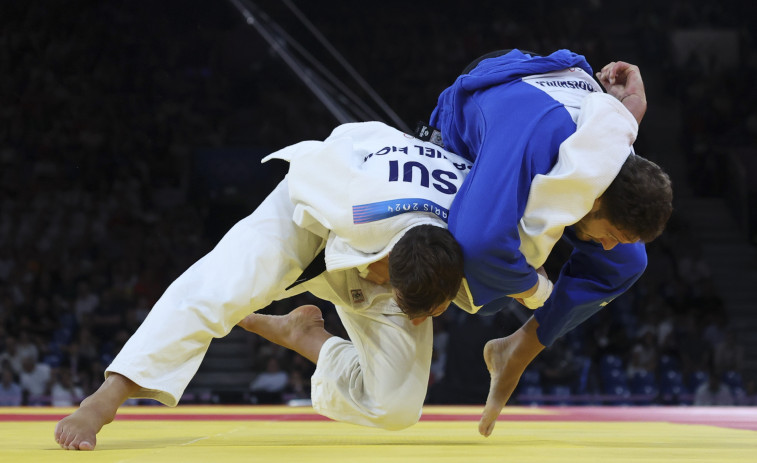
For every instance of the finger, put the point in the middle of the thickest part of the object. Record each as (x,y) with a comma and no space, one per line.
(612,73)
(604,77)
(624,69)
(620,68)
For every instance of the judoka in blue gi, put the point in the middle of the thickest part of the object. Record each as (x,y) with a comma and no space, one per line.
(531,184)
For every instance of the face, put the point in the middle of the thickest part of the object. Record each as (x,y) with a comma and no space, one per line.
(601,231)
(435,312)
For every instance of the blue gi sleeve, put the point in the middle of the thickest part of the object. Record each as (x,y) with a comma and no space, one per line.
(590,280)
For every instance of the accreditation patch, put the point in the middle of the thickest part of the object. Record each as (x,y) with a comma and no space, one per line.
(357,296)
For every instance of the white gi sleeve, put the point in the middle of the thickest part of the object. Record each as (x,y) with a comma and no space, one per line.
(588,162)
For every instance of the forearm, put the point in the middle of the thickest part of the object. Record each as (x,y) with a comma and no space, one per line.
(623,81)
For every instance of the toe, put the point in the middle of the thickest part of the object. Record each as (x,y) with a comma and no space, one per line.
(64,440)
(86,445)
(485,427)
(488,419)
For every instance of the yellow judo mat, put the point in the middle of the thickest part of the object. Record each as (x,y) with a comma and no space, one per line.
(218,434)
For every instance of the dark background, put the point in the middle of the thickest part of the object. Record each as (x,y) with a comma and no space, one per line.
(131,134)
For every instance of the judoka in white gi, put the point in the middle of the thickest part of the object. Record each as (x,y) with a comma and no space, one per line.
(356,194)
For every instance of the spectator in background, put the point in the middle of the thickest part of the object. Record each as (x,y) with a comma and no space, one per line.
(11,356)
(729,353)
(559,366)
(85,303)
(695,354)
(750,393)
(666,324)
(296,387)
(44,322)
(63,392)
(268,386)
(644,355)
(26,347)
(11,394)
(35,381)
(108,317)
(713,392)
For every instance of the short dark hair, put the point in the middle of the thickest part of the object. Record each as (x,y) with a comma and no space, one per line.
(639,201)
(425,269)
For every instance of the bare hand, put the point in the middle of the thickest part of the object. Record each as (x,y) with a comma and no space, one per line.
(623,81)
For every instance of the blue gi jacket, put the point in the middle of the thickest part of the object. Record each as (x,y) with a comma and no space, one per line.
(512,130)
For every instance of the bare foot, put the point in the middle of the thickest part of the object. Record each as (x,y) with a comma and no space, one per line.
(502,385)
(506,359)
(301,330)
(78,431)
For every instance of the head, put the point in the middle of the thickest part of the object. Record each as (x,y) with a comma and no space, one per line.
(425,270)
(635,207)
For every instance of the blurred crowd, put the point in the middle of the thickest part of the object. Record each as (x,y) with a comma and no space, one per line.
(106,104)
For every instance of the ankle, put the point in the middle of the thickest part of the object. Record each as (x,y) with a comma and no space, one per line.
(98,410)
(525,346)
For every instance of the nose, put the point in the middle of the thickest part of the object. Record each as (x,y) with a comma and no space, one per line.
(608,244)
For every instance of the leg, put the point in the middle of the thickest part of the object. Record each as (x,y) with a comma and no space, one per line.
(380,377)
(377,380)
(249,268)
(301,330)
(507,358)
(78,431)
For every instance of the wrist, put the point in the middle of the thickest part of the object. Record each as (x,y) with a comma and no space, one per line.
(540,296)
(636,106)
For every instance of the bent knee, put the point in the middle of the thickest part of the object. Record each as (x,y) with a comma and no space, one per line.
(399,415)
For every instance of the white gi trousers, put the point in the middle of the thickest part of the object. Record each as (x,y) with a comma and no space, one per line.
(379,378)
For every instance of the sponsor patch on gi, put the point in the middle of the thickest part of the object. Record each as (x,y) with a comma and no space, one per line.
(357,296)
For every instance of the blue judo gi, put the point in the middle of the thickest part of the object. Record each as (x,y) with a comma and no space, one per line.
(512,130)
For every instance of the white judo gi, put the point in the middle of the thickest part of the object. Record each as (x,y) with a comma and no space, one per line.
(356,194)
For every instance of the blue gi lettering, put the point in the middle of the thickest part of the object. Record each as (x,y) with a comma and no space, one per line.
(407,173)
(393,171)
(443,177)
(447,187)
